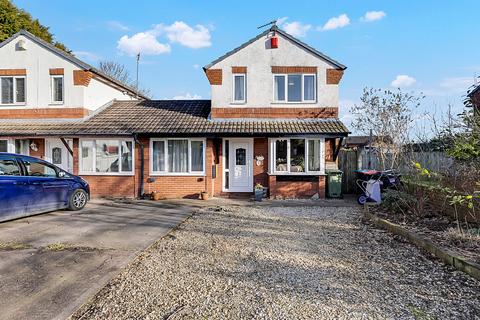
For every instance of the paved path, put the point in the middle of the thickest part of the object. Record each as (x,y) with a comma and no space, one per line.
(68,256)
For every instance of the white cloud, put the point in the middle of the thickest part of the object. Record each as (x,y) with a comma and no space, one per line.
(180,32)
(456,84)
(373,16)
(187,96)
(144,42)
(336,22)
(117,26)
(86,55)
(295,28)
(402,81)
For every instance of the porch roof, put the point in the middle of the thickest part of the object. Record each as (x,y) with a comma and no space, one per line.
(174,117)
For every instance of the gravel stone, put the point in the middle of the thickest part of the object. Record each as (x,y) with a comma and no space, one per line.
(284,263)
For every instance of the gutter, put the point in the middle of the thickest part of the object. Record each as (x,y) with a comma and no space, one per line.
(141,187)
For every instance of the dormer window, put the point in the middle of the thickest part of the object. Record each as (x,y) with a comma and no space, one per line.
(57,89)
(239,88)
(294,88)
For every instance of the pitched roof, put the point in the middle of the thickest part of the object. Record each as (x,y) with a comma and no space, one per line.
(175,117)
(286,35)
(72,59)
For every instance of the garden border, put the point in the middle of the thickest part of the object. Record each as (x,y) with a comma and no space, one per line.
(447,256)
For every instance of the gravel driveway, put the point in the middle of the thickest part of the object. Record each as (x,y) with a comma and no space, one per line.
(284,263)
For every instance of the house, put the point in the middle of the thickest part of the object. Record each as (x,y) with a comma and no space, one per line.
(272,120)
(41,84)
(474,95)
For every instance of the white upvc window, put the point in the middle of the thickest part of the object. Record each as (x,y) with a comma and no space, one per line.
(294,88)
(58,89)
(239,88)
(12,90)
(297,155)
(107,156)
(177,156)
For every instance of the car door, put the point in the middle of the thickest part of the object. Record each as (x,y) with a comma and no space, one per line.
(14,189)
(50,190)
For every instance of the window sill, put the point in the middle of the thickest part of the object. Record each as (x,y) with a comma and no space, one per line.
(296,174)
(177,174)
(22,104)
(299,102)
(123,174)
(56,103)
(238,103)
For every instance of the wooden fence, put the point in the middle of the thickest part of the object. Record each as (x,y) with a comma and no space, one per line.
(351,160)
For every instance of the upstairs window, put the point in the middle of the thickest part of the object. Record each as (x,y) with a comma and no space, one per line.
(57,89)
(12,90)
(294,88)
(239,88)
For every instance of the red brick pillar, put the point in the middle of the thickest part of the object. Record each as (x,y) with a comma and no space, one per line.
(272,184)
(75,156)
(322,186)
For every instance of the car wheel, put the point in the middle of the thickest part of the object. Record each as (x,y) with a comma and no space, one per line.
(362,199)
(78,200)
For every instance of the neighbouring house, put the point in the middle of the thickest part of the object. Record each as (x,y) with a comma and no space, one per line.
(272,120)
(43,85)
(475,96)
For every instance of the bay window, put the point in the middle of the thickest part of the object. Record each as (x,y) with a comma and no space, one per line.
(294,88)
(177,156)
(297,155)
(106,156)
(12,90)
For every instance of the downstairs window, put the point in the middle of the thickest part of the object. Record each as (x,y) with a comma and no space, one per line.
(177,156)
(106,156)
(297,155)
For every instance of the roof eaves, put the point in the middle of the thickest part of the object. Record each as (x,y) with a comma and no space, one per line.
(70,58)
(286,35)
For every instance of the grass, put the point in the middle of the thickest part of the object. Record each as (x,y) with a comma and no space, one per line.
(8,246)
(62,246)
(418,313)
(469,235)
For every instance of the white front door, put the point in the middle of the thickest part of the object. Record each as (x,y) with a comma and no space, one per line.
(57,153)
(241,165)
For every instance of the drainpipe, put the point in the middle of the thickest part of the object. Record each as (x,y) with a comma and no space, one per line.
(142,165)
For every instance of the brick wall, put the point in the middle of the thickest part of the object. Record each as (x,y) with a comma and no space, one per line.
(293,69)
(260,147)
(296,189)
(40,153)
(44,113)
(214,76)
(272,113)
(334,76)
(13,72)
(82,78)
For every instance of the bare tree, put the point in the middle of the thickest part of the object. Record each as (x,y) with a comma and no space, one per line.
(116,71)
(389,116)
(119,72)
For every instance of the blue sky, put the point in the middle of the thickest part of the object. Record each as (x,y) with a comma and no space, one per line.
(423,46)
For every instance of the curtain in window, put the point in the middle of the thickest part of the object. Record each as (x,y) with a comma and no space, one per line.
(314,155)
(22,146)
(7,90)
(3,146)
(297,155)
(279,88)
(87,156)
(295,87)
(20,89)
(309,88)
(58,89)
(197,155)
(177,155)
(281,155)
(158,156)
(107,156)
(127,156)
(239,88)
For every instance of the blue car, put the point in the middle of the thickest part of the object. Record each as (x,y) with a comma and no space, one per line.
(30,186)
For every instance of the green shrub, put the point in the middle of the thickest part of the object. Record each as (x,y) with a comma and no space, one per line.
(399,202)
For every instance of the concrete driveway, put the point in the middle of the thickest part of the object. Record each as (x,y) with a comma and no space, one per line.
(52,263)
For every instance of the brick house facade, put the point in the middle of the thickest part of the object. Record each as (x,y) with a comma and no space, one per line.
(272,120)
